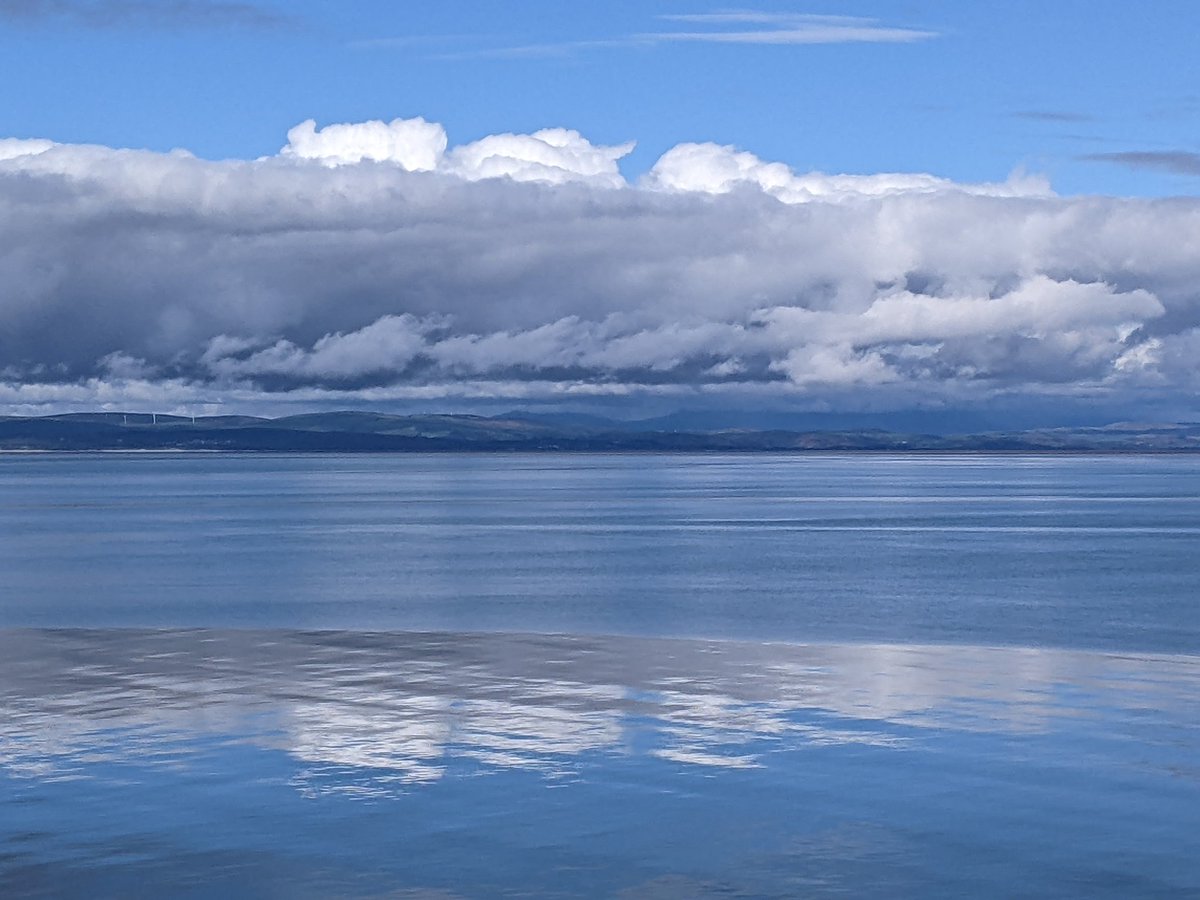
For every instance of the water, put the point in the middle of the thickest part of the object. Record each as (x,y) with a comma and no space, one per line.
(1077,552)
(768,677)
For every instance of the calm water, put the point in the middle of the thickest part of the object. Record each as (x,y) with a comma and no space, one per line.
(771,676)
(1095,553)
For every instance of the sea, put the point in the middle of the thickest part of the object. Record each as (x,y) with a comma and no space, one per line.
(599,675)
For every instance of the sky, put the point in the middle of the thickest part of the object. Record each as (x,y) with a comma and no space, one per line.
(628,207)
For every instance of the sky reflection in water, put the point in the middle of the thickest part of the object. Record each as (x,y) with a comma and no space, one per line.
(449,764)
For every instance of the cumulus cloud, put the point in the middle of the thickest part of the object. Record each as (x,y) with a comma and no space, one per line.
(374,263)
(11,148)
(553,155)
(414,144)
(716,169)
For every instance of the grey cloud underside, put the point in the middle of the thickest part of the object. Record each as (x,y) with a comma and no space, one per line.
(127,275)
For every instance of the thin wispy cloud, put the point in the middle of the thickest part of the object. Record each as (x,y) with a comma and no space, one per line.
(748,27)
(755,17)
(1052,115)
(144,13)
(541,51)
(787,28)
(1085,138)
(1178,162)
(409,41)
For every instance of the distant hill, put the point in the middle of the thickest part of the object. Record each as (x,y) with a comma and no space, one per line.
(368,432)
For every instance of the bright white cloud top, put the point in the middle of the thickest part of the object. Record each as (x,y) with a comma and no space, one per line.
(414,144)
(373,262)
(554,155)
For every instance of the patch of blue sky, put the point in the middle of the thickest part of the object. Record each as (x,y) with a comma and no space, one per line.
(1100,96)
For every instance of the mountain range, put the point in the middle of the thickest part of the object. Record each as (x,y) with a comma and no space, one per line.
(370,432)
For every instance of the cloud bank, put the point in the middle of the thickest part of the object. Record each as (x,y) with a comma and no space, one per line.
(373,263)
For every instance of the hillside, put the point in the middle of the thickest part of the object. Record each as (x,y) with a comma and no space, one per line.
(367,432)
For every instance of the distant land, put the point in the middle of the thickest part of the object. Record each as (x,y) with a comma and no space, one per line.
(369,432)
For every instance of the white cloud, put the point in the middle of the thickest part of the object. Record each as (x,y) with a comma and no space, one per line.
(414,144)
(1036,308)
(11,148)
(716,169)
(387,345)
(788,28)
(837,365)
(553,155)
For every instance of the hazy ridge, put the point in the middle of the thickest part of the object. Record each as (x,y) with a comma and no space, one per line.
(349,432)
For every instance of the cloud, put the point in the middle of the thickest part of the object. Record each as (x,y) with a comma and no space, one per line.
(1179,162)
(387,345)
(415,144)
(553,155)
(375,263)
(764,28)
(144,13)
(760,17)
(11,148)
(555,50)
(788,28)
(1052,115)
(716,169)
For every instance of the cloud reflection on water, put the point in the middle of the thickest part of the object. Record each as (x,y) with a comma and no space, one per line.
(364,714)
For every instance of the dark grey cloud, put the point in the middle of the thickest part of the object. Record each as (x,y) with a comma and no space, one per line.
(144,13)
(1180,162)
(137,279)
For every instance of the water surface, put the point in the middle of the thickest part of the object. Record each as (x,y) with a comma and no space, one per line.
(210,763)
(600,676)
(1030,551)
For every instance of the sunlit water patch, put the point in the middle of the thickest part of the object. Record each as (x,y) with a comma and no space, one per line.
(281,763)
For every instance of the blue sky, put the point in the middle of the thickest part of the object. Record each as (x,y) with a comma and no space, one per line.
(969,91)
(635,208)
